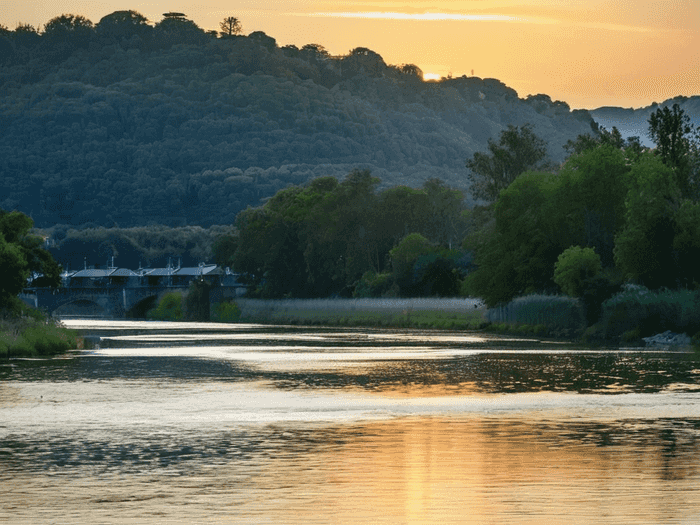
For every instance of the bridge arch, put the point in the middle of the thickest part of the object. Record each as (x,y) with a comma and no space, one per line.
(82,307)
(141,308)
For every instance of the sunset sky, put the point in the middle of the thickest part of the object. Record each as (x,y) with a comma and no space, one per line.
(588,53)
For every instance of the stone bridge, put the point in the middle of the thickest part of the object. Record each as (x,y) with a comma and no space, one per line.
(110,301)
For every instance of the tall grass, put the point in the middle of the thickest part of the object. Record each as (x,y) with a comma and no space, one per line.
(31,337)
(419,313)
(556,313)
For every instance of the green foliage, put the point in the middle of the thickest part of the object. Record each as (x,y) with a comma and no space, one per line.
(597,201)
(574,266)
(226,312)
(591,192)
(129,130)
(670,129)
(169,308)
(143,246)
(518,257)
(374,284)
(26,332)
(518,150)
(686,243)
(648,312)
(197,301)
(319,240)
(644,247)
(14,270)
(20,255)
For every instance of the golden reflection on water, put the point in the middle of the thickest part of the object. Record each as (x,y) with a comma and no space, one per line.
(412,471)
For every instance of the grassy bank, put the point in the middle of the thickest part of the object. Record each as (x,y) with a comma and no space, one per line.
(455,314)
(28,333)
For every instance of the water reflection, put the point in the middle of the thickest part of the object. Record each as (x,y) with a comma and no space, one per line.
(250,424)
(486,470)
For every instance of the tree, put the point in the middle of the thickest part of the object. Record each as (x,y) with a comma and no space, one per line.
(411,70)
(21,255)
(517,150)
(592,189)
(74,30)
(573,267)
(123,25)
(670,129)
(175,28)
(231,26)
(644,247)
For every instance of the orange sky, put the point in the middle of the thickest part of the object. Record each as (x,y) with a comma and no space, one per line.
(588,53)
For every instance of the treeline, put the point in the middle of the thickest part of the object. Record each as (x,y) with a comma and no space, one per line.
(144,246)
(124,123)
(615,213)
(331,238)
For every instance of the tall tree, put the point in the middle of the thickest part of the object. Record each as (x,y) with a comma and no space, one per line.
(231,26)
(671,130)
(21,255)
(518,150)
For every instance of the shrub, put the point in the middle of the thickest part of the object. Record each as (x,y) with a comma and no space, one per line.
(169,308)
(226,312)
(636,307)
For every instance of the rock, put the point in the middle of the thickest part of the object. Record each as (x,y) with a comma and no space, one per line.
(667,338)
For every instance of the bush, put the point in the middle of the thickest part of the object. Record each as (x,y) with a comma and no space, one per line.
(637,308)
(169,308)
(226,312)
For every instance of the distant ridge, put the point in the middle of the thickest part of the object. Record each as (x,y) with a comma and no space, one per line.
(634,122)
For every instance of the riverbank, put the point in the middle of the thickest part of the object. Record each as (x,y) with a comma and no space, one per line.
(31,334)
(453,314)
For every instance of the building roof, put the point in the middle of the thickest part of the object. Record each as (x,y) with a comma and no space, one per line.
(197,270)
(159,272)
(123,272)
(93,273)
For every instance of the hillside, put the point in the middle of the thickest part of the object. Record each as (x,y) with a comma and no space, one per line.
(141,130)
(635,122)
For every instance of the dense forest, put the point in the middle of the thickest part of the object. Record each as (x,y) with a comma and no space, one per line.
(128,123)
(614,213)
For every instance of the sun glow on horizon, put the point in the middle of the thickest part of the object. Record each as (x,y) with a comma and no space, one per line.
(431,76)
(441,17)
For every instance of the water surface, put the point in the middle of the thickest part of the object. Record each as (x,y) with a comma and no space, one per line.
(187,423)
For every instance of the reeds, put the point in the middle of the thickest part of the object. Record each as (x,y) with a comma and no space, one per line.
(544,313)
(417,313)
(29,337)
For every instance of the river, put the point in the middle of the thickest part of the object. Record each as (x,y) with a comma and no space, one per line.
(201,423)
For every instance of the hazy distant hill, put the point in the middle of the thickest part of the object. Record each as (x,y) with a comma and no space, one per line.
(635,122)
(126,132)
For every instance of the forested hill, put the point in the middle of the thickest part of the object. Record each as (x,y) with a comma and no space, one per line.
(172,125)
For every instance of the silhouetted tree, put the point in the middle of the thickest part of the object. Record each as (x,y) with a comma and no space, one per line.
(123,25)
(230,26)
(75,30)
(670,129)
